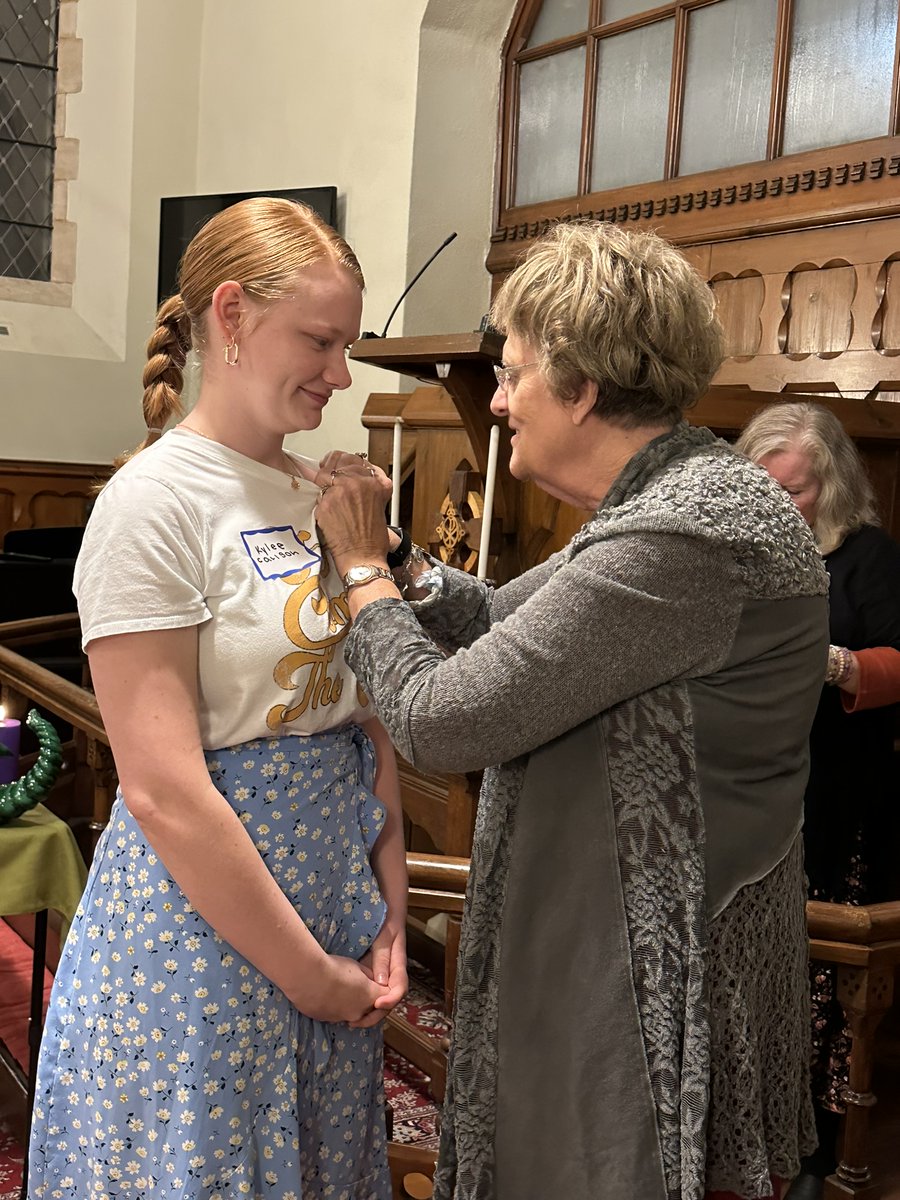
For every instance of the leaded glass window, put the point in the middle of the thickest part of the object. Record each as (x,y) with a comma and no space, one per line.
(28,67)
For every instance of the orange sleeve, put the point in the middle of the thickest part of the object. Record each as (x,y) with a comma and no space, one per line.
(879,679)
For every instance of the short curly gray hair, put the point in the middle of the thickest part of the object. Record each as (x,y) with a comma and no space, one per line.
(846,500)
(625,310)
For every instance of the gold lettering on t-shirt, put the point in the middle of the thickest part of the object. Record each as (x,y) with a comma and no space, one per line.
(307,604)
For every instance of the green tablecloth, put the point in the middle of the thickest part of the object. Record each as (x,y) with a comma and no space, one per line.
(40,866)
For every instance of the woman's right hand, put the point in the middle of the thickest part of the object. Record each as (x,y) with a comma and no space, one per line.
(350,512)
(345,991)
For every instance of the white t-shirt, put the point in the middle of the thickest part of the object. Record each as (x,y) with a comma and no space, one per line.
(190,532)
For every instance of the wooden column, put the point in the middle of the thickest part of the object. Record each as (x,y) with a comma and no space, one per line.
(865,993)
(864,944)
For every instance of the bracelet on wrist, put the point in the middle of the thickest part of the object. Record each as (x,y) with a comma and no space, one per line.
(840,665)
(396,558)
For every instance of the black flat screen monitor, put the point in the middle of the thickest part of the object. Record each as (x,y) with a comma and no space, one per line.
(181,216)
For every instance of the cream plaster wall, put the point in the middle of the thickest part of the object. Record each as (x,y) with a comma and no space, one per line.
(453,162)
(70,379)
(303,93)
(393,101)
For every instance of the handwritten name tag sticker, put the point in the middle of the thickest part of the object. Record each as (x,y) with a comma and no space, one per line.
(278,551)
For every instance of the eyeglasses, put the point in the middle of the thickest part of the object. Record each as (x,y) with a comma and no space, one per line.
(509,376)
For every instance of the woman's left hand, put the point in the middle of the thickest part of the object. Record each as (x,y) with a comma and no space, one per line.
(386,959)
(350,513)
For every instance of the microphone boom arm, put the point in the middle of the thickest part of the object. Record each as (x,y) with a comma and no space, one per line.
(446,242)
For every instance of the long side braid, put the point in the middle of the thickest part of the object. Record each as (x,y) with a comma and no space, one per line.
(163,376)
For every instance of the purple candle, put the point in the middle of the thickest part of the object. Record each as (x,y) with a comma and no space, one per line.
(10,732)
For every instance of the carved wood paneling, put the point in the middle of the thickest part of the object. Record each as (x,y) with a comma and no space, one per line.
(818,187)
(35,495)
(818,319)
(887,319)
(828,318)
(739,304)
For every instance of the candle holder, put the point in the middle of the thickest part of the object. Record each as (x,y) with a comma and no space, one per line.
(18,797)
(10,730)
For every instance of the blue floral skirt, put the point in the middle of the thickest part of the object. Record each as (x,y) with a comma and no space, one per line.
(170,1067)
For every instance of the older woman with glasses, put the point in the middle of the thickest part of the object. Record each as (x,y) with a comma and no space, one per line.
(632,1007)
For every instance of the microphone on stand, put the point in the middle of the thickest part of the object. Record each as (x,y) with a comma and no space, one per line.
(408,288)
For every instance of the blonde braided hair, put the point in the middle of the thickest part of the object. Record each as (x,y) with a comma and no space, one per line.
(263,243)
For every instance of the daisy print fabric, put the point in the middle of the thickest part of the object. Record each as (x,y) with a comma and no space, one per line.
(170,1067)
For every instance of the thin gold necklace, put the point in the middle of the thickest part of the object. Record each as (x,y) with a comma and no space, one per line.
(295,479)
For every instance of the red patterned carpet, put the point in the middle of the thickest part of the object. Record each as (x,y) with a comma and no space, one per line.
(414,1111)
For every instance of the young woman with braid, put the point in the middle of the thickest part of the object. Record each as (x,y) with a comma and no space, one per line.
(214,1027)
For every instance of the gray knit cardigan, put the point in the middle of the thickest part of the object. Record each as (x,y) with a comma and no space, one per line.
(631,1001)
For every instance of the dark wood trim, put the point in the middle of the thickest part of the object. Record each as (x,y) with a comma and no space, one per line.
(676,95)
(442,872)
(588,108)
(46,493)
(56,470)
(846,923)
(512,137)
(894,116)
(780,67)
(73,704)
(856,182)
(548,49)
(422,1049)
(38,629)
(648,16)
(728,409)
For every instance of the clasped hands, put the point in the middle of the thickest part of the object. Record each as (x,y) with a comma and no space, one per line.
(350,512)
(360,992)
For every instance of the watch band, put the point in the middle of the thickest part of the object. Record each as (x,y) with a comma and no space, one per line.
(365,573)
(396,558)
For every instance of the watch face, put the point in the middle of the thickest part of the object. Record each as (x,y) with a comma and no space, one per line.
(365,574)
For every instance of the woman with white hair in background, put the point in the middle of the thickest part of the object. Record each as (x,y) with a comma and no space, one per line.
(851,827)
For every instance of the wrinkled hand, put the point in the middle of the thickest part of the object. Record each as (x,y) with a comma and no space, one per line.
(386,958)
(350,513)
(346,991)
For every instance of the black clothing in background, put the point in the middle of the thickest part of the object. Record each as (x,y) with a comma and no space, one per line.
(852,799)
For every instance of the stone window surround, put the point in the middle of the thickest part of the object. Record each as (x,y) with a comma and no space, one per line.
(58,290)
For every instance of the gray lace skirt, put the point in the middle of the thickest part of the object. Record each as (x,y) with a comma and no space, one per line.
(760,1060)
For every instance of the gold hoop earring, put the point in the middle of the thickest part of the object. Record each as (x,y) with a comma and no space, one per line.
(232,351)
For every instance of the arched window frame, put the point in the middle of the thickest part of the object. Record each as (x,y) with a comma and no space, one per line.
(848,182)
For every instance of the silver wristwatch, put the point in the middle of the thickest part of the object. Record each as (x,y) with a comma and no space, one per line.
(357,576)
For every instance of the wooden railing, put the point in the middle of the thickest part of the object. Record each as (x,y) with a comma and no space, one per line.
(862,943)
(87,789)
(864,946)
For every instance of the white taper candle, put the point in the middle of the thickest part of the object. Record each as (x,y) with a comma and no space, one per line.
(396,470)
(490,480)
